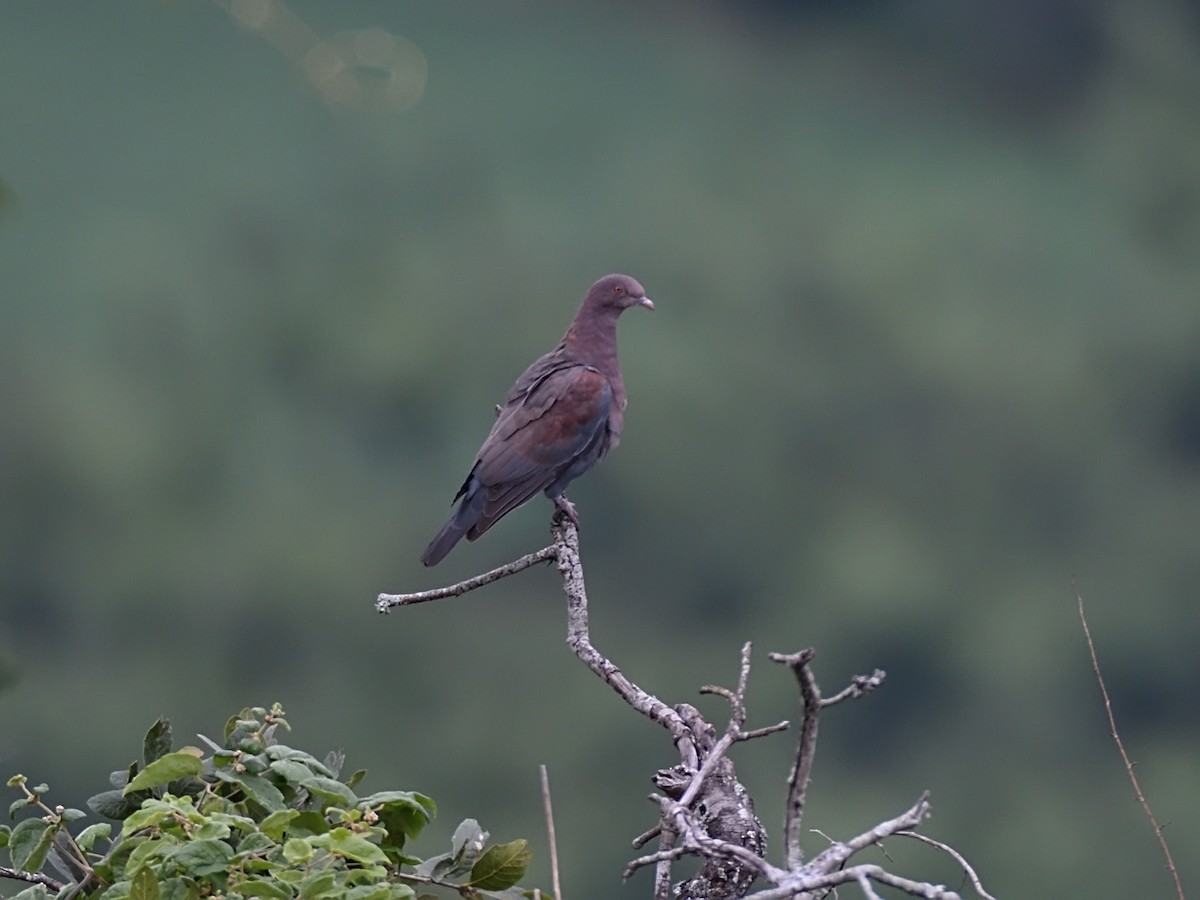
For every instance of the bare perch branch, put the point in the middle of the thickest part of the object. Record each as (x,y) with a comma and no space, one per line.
(1116,736)
(704,810)
(730,837)
(566,549)
(386,602)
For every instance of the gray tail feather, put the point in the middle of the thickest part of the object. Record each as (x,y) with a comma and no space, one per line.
(460,523)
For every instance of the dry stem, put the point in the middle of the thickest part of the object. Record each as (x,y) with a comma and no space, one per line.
(1116,736)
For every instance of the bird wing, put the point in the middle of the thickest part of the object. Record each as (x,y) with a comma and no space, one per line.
(539,434)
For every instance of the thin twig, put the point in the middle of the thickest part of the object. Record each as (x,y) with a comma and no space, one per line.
(384,603)
(549,809)
(883,876)
(859,685)
(865,884)
(835,857)
(646,836)
(32,878)
(955,855)
(1116,736)
(764,731)
(668,855)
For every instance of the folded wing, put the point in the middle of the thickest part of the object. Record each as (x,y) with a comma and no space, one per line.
(543,439)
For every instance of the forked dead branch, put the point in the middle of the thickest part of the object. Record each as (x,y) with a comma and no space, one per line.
(704,811)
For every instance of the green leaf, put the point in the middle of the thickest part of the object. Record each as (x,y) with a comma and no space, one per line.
(408,798)
(244,824)
(381,892)
(112,867)
(5,831)
(501,866)
(289,875)
(37,892)
(256,787)
(279,751)
(253,763)
(345,842)
(112,805)
(157,742)
(212,831)
(260,887)
(290,770)
(203,857)
(144,885)
(29,843)
(179,889)
(256,843)
(166,769)
(19,804)
(366,875)
(334,793)
(88,837)
(152,813)
(402,813)
(277,823)
(263,792)
(317,885)
(150,851)
(297,851)
(353,780)
(307,824)
(70,814)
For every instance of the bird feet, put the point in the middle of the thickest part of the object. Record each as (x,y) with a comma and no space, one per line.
(565,509)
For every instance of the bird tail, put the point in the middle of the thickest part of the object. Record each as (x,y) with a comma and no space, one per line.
(460,523)
(450,535)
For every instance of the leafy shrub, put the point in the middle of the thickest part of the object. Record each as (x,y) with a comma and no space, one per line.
(252,818)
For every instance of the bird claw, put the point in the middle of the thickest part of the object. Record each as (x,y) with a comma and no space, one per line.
(565,509)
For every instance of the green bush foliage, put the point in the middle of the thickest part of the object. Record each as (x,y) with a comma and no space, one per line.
(249,817)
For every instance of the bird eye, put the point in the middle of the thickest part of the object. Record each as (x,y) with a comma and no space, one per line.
(619,289)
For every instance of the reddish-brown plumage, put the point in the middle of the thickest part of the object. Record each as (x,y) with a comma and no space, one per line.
(561,417)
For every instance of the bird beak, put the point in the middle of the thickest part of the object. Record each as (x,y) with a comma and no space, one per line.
(646,302)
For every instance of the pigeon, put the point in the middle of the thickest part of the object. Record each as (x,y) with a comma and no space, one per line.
(560,418)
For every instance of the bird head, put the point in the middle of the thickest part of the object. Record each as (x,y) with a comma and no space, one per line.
(618,292)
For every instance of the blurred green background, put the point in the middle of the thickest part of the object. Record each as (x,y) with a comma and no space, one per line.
(926,346)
